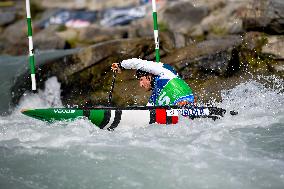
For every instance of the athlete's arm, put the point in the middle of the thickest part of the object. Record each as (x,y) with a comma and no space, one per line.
(148,66)
(115,67)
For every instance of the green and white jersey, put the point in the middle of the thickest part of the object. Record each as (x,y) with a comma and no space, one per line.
(169,88)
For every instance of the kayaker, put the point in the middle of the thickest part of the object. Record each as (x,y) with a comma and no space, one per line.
(166,85)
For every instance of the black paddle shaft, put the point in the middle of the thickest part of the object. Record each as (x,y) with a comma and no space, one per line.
(112,87)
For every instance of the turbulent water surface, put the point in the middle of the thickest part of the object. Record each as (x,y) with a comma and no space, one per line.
(244,151)
(11,67)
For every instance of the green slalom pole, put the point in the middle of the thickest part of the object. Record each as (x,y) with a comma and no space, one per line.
(31,48)
(156,31)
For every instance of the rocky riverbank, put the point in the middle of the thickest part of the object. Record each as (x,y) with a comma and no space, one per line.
(214,45)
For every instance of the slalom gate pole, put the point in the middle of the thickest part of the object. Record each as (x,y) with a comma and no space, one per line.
(31,48)
(156,31)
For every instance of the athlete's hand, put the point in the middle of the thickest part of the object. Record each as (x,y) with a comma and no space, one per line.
(184,104)
(115,67)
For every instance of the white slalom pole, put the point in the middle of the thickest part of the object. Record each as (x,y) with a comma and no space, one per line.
(156,31)
(31,48)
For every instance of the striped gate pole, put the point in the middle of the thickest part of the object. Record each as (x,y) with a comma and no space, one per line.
(31,48)
(156,32)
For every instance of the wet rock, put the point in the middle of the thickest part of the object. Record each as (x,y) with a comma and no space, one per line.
(48,39)
(120,49)
(274,46)
(254,41)
(96,34)
(224,19)
(7,18)
(265,15)
(85,76)
(208,66)
(15,39)
(210,4)
(15,32)
(183,16)
(277,66)
(211,89)
(274,49)
(87,4)
(179,40)
(70,35)
(212,57)
(168,39)
(254,55)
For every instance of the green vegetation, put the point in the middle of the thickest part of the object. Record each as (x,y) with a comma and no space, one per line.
(199,38)
(7,4)
(163,27)
(36,8)
(251,53)
(72,42)
(220,31)
(61,28)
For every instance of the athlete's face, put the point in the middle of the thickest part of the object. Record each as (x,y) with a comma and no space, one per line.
(145,82)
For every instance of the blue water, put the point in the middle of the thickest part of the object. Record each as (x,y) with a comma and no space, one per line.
(243,151)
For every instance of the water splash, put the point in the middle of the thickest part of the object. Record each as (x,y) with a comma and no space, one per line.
(49,97)
(244,151)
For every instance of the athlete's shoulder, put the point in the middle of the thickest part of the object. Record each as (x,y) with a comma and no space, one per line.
(170,68)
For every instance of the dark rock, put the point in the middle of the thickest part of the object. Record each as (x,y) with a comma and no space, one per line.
(96,34)
(275,49)
(180,40)
(169,39)
(92,5)
(16,32)
(15,35)
(183,16)
(224,20)
(274,46)
(215,57)
(22,81)
(212,88)
(277,67)
(254,40)
(7,18)
(85,76)
(89,77)
(252,59)
(48,39)
(15,39)
(261,54)
(265,15)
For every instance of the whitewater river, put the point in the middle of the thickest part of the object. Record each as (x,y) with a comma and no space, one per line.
(244,151)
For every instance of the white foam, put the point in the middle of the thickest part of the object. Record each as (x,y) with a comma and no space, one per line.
(255,104)
(49,97)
